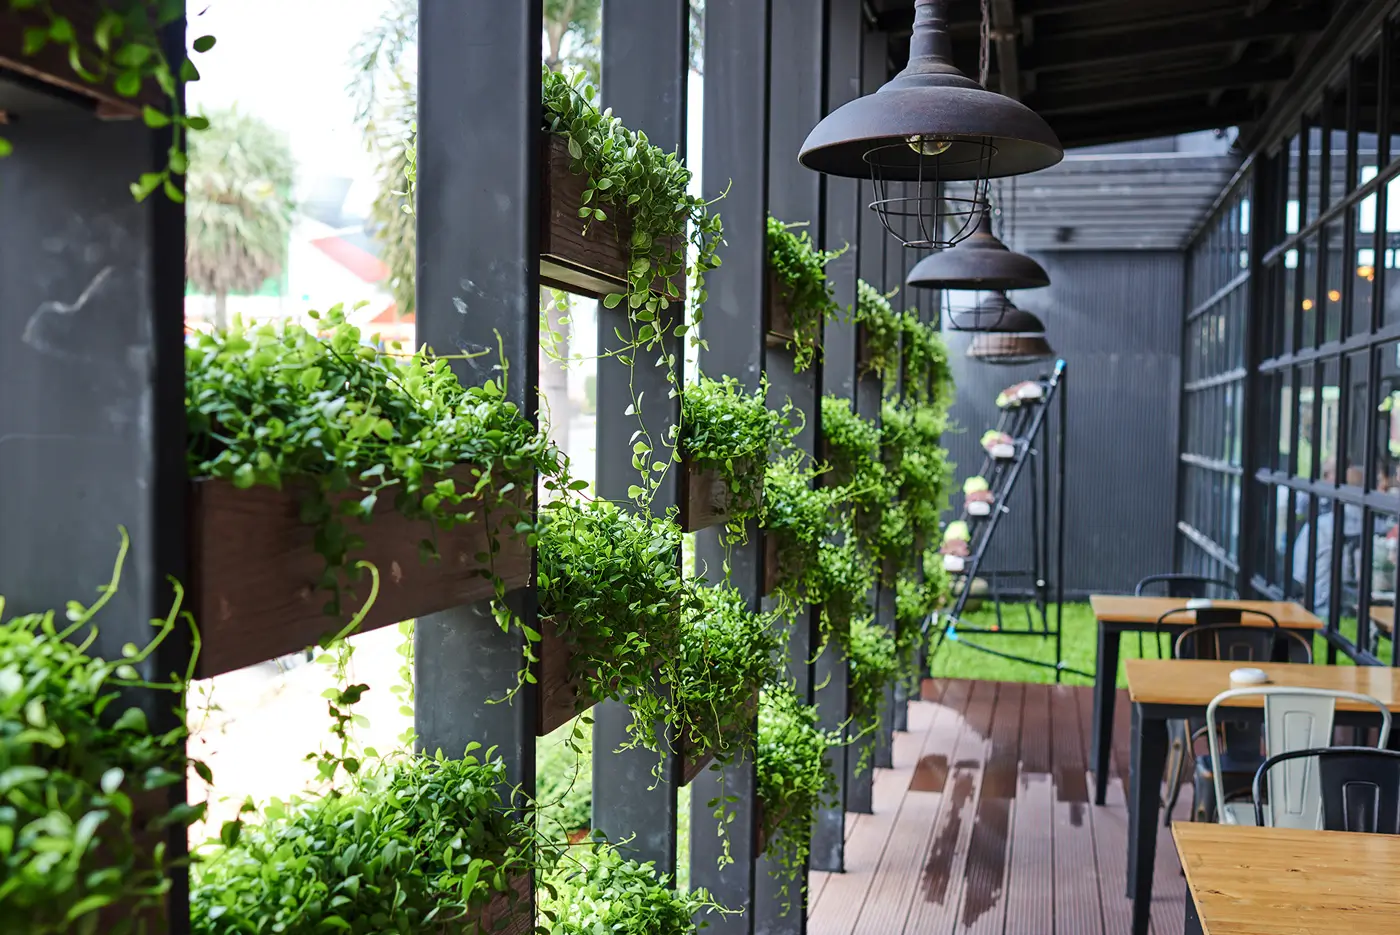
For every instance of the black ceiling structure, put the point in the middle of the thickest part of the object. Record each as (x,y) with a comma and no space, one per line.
(1104,71)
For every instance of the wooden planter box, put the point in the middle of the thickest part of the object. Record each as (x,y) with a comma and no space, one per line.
(50,65)
(863,351)
(705,497)
(594,264)
(694,765)
(499,916)
(778,328)
(559,699)
(255,570)
(770,564)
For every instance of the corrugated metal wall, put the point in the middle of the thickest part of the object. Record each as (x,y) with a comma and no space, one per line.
(1116,320)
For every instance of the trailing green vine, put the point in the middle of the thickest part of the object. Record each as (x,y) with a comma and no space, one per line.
(795,779)
(880,329)
(627,177)
(799,271)
(603,892)
(798,517)
(349,424)
(84,777)
(124,52)
(874,665)
(733,433)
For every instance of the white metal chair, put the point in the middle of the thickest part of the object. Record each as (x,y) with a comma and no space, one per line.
(1294,719)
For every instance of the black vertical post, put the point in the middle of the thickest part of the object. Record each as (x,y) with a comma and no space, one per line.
(842,227)
(909,302)
(796,100)
(871,264)
(92,362)
(479,140)
(735,158)
(646,47)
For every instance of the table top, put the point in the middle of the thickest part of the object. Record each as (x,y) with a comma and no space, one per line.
(1275,881)
(1126,608)
(1384,618)
(1195,682)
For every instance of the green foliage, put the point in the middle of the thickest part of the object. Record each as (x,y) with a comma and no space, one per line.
(794,780)
(880,326)
(727,654)
(799,518)
(800,269)
(123,52)
(413,848)
(239,210)
(916,598)
(928,376)
(841,583)
(625,176)
(272,405)
(610,584)
(917,462)
(83,777)
(602,892)
(734,433)
(874,666)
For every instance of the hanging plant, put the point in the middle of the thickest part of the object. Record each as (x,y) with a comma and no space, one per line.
(610,587)
(272,406)
(801,287)
(417,845)
(601,891)
(880,329)
(124,54)
(840,584)
(794,780)
(918,597)
(797,519)
(84,777)
(928,375)
(732,434)
(727,653)
(625,177)
(874,666)
(911,437)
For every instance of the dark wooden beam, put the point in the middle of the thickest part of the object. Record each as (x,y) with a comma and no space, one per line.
(1115,126)
(1053,52)
(1080,99)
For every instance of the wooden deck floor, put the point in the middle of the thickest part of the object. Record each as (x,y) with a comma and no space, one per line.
(985,825)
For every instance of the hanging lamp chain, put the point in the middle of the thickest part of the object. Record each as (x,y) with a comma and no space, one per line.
(984,38)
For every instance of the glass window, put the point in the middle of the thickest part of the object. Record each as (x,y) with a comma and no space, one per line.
(1328,415)
(1387,419)
(1285,413)
(1334,239)
(1308,302)
(1363,275)
(1357,402)
(1311,169)
(1380,618)
(1303,380)
(1335,136)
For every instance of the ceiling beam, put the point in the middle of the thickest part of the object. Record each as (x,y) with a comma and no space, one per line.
(1071,51)
(1005,34)
(1123,93)
(1141,123)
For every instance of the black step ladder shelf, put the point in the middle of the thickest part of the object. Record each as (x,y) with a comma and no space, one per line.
(1027,423)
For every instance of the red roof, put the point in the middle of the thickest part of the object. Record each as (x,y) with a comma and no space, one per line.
(363,264)
(390,316)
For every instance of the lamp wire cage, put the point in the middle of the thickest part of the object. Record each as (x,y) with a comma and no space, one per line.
(995,347)
(921,214)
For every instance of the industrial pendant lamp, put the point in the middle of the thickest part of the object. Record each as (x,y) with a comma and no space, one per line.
(980,262)
(1006,334)
(928,126)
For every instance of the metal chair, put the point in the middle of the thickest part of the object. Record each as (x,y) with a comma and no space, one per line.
(1358,788)
(1176,584)
(1294,719)
(1219,633)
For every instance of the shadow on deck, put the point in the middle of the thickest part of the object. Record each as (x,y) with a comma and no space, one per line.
(985,825)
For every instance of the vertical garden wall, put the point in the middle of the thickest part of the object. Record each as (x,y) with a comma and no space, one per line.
(735,606)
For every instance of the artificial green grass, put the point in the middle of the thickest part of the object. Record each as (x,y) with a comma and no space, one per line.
(957,659)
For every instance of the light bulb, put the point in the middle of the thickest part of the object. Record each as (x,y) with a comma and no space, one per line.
(1307,305)
(1334,295)
(929,145)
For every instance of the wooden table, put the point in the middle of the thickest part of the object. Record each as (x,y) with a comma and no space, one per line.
(1274,881)
(1119,613)
(1165,689)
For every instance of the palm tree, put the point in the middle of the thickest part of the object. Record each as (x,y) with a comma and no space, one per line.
(238,207)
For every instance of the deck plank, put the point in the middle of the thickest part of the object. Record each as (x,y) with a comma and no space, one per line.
(949,849)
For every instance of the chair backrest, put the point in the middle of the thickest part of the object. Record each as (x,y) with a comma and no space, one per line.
(1359,787)
(1179,585)
(1221,634)
(1294,719)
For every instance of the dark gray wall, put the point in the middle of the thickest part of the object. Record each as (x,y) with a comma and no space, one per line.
(1116,320)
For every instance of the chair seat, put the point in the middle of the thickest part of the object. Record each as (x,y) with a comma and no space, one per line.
(1234,765)
(1237,813)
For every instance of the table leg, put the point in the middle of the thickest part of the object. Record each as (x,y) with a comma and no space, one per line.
(1144,798)
(1193,918)
(1105,693)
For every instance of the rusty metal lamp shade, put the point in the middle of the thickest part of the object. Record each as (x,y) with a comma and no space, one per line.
(930,125)
(995,312)
(980,262)
(994,347)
